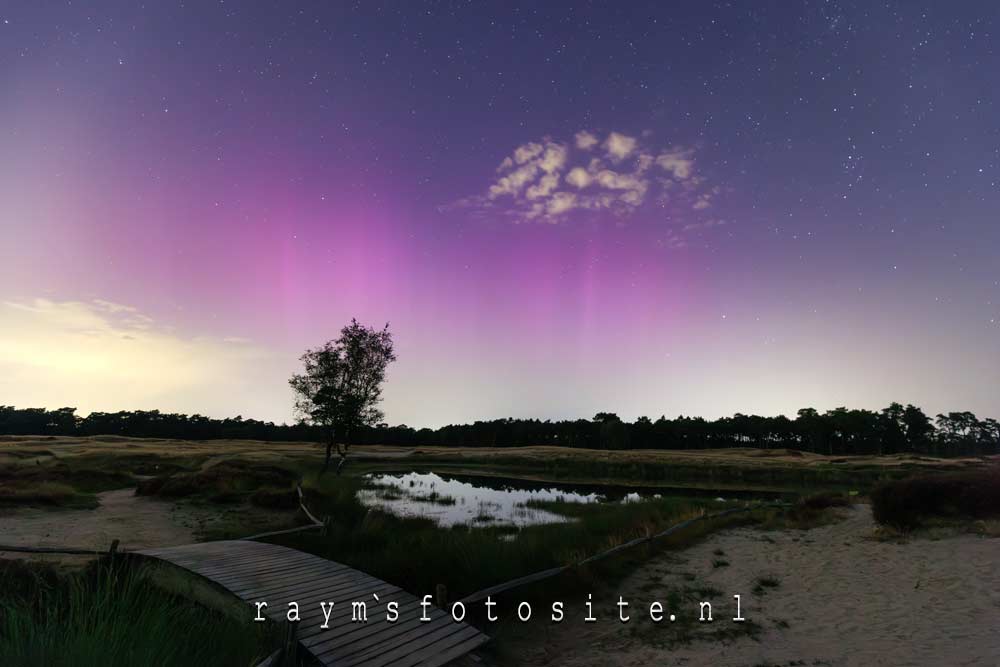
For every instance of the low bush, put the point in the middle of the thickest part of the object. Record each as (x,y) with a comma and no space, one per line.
(226,481)
(904,504)
(41,493)
(57,485)
(822,501)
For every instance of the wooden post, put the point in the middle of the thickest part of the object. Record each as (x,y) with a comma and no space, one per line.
(113,551)
(442,596)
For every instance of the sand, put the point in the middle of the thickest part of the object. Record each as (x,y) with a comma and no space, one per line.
(138,522)
(847,599)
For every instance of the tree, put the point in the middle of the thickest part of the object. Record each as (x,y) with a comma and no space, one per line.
(342,384)
(918,427)
(892,434)
(813,428)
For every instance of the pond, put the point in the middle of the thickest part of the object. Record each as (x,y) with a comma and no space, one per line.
(479,501)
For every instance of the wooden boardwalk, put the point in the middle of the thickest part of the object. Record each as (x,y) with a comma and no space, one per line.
(258,571)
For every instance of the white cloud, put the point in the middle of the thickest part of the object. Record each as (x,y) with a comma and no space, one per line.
(619,146)
(619,180)
(585,140)
(678,162)
(561,202)
(544,187)
(554,158)
(527,152)
(512,183)
(578,177)
(98,355)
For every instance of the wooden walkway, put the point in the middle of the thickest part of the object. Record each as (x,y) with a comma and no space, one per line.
(258,571)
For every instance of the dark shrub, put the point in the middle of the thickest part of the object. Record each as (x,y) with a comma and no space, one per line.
(822,501)
(904,503)
(152,486)
(226,481)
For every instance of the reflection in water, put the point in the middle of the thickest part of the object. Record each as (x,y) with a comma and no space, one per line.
(451,501)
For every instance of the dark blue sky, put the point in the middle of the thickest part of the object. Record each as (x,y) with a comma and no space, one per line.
(734,206)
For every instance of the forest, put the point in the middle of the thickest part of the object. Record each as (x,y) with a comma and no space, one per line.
(839,432)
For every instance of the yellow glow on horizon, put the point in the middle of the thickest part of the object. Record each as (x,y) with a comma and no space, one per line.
(99,355)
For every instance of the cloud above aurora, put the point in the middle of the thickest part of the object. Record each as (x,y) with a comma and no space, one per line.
(616,173)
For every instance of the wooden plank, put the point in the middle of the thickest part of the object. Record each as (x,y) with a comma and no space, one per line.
(344,593)
(339,635)
(274,572)
(248,557)
(457,651)
(306,583)
(234,556)
(259,571)
(205,547)
(222,558)
(219,568)
(417,649)
(262,581)
(311,604)
(277,569)
(431,654)
(379,642)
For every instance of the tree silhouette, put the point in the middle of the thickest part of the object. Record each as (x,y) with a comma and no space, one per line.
(839,432)
(342,384)
(918,427)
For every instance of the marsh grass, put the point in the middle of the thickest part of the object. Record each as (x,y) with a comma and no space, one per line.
(230,480)
(417,554)
(434,497)
(104,617)
(58,486)
(820,509)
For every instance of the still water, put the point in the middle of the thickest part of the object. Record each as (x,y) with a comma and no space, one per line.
(479,501)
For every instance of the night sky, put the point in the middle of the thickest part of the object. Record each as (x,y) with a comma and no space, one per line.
(646,208)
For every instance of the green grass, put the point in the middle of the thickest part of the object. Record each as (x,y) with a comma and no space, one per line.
(105,617)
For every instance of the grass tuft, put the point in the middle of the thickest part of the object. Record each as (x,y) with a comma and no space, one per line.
(104,617)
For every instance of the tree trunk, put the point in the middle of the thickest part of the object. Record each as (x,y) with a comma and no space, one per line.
(343,453)
(330,443)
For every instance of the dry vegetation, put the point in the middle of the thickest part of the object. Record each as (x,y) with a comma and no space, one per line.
(68,470)
(908,503)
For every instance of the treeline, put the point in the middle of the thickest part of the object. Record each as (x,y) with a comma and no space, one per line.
(147,424)
(839,432)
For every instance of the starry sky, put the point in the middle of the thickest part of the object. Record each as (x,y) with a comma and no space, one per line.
(641,207)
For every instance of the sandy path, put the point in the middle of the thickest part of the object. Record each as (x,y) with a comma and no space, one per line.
(846,599)
(139,522)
